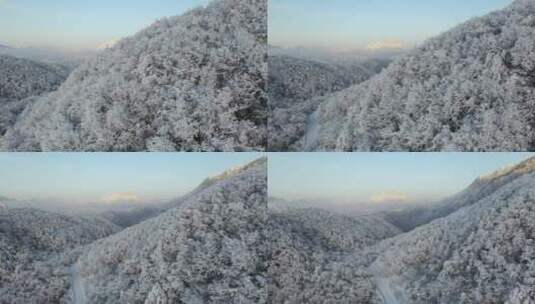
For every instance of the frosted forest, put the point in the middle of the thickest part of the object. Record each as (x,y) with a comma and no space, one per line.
(208,246)
(194,82)
(227,242)
(468,89)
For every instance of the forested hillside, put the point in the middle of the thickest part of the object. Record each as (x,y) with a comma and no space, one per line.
(294,87)
(476,247)
(21,79)
(212,248)
(35,252)
(187,83)
(484,186)
(320,257)
(469,89)
(483,253)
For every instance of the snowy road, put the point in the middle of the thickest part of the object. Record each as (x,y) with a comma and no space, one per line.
(77,288)
(384,288)
(386,293)
(313,131)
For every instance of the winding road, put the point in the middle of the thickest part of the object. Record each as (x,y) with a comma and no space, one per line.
(384,287)
(313,131)
(77,288)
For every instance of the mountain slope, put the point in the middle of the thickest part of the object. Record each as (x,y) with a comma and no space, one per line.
(319,257)
(482,253)
(482,187)
(211,248)
(293,85)
(469,89)
(34,250)
(191,83)
(135,216)
(21,79)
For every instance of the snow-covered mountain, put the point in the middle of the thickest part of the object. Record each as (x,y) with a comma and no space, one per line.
(68,58)
(481,253)
(319,257)
(484,186)
(127,218)
(189,83)
(20,81)
(35,252)
(22,78)
(222,244)
(210,249)
(476,247)
(295,85)
(469,89)
(329,55)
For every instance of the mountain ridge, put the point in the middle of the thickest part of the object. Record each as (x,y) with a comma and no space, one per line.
(480,188)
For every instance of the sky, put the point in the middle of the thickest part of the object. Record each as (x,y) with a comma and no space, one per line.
(81,24)
(109,177)
(380,177)
(359,24)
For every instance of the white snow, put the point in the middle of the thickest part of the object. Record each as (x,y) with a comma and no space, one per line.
(77,288)
(313,131)
(389,293)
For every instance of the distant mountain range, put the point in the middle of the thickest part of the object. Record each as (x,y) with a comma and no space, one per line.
(334,56)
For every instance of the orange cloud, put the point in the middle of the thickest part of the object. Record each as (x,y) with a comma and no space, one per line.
(386,44)
(120,197)
(107,44)
(389,197)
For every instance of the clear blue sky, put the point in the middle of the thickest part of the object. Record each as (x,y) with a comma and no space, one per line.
(346,24)
(80,24)
(359,176)
(88,177)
